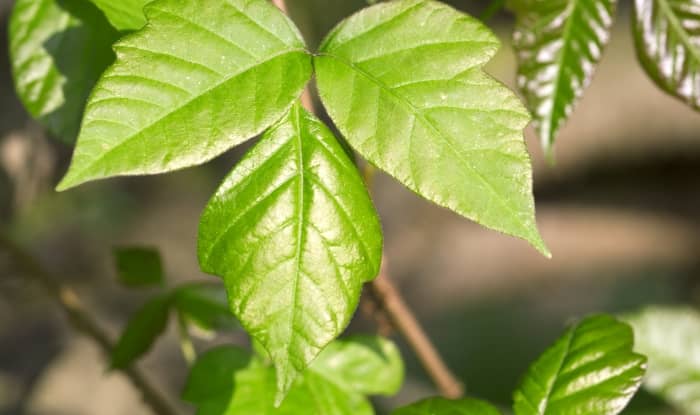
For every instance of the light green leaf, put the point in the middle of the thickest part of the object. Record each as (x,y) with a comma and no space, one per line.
(244,390)
(440,406)
(138,266)
(141,332)
(58,51)
(124,15)
(370,365)
(559,44)
(294,234)
(667,39)
(670,337)
(590,370)
(201,77)
(403,82)
(204,305)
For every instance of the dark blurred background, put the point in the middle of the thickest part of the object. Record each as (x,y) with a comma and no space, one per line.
(619,212)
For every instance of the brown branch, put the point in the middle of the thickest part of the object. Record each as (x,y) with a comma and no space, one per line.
(82,321)
(388,304)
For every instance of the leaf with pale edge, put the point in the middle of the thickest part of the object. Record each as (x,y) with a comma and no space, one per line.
(124,15)
(58,51)
(201,77)
(205,306)
(139,266)
(403,82)
(294,234)
(670,337)
(667,38)
(142,330)
(558,44)
(441,406)
(590,370)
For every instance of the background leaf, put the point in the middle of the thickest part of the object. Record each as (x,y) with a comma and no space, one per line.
(58,49)
(204,305)
(670,337)
(590,370)
(141,332)
(139,266)
(124,15)
(559,44)
(294,234)
(443,128)
(441,406)
(667,38)
(201,77)
(214,373)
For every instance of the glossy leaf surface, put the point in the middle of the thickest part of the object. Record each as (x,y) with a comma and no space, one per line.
(667,37)
(403,82)
(204,305)
(590,370)
(670,337)
(294,234)
(58,51)
(138,266)
(201,77)
(559,44)
(143,329)
(124,15)
(441,406)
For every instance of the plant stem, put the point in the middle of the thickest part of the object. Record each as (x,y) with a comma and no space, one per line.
(82,321)
(390,302)
(494,7)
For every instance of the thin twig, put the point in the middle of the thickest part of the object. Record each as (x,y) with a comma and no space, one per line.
(82,321)
(390,305)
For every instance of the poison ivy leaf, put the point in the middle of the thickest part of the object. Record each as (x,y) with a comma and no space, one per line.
(294,234)
(667,38)
(237,390)
(440,406)
(141,332)
(590,370)
(403,82)
(138,267)
(558,44)
(670,337)
(125,15)
(58,50)
(370,365)
(201,77)
(204,305)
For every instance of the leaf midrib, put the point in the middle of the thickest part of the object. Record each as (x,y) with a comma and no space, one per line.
(676,26)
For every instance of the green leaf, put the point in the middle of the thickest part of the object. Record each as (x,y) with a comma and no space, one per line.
(403,82)
(204,305)
(125,15)
(234,389)
(141,332)
(201,77)
(370,365)
(668,45)
(670,337)
(138,267)
(559,44)
(590,370)
(294,234)
(441,406)
(58,49)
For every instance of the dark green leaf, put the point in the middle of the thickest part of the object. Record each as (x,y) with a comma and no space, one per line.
(590,370)
(138,267)
(201,77)
(141,332)
(667,37)
(670,337)
(205,305)
(213,374)
(559,44)
(403,82)
(294,234)
(440,406)
(370,365)
(59,48)
(124,15)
